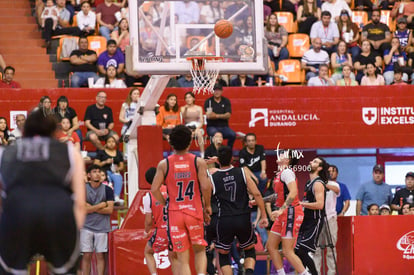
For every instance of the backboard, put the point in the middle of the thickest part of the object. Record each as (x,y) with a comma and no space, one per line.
(164,33)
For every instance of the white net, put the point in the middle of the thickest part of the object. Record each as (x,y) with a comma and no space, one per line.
(204,71)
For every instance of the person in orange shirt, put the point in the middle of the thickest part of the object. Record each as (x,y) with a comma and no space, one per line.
(169,115)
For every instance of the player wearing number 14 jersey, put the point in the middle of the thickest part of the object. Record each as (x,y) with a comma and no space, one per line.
(188,189)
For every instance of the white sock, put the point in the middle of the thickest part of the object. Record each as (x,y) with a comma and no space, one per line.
(281,271)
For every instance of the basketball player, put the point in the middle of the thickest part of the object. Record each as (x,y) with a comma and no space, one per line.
(314,204)
(155,212)
(43,196)
(231,187)
(288,217)
(188,188)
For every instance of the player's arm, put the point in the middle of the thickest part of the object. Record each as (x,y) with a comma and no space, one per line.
(293,192)
(78,189)
(252,188)
(205,185)
(158,181)
(319,191)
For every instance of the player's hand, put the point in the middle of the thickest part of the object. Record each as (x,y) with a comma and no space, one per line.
(263,175)
(207,213)
(264,222)
(252,203)
(276,214)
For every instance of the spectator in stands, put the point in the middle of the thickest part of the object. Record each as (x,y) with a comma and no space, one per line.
(2,63)
(404,34)
(185,81)
(169,115)
(349,32)
(112,161)
(273,4)
(110,80)
(156,10)
(369,5)
(192,117)
(99,121)
(17,132)
(83,63)
(46,104)
(112,56)
(242,80)
(404,195)
(372,77)
(63,26)
(277,38)
(407,10)
(327,31)
(211,13)
(373,209)
(50,11)
(411,65)
(121,35)
(339,59)
(248,32)
(65,135)
(148,37)
(373,192)
(323,77)
(343,200)
(347,80)
(395,57)
(7,81)
(366,56)
(308,13)
(385,210)
(86,19)
(62,110)
(105,16)
(127,113)
(291,6)
(405,209)
(398,74)
(313,58)
(232,9)
(211,154)
(335,7)
(377,33)
(94,234)
(218,111)
(4,131)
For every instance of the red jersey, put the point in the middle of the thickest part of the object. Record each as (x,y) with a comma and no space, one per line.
(281,189)
(183,186)
(159,212)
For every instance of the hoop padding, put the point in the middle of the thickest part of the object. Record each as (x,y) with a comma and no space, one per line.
(204,70)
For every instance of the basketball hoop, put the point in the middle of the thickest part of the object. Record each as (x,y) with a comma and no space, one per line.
(204,70)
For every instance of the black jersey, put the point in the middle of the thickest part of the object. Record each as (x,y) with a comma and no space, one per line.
(310,197)
(230,190)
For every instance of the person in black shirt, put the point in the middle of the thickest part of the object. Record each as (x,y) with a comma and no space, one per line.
(218,111)
(83,63)
(404,195)
(231,188)
(377,33)
(314,211)
(62,110)
(364,58)
(211,153)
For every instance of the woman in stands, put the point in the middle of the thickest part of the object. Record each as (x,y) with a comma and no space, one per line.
(308,13)
(211,13)
(347,80)
(65,135)
(372,78)
(46,104)
(121,35)
(128,110)
(248,32)
(4,131)
(110,80)
(277,38)
(192,116)
(112,161)
(62,110)
(349,32)
(169,115)
(365,57)
(394,57)
(339,59)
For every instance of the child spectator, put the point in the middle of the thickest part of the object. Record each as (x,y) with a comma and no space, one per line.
(385,210)
(64,135)
(373,209)
(50,11)
(405,210)
(398,77)
(404,34)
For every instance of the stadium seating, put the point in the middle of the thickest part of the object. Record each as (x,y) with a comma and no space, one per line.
(360,18)
(97,43)
(290,68)
(66,45)
(298,44)
(287,20)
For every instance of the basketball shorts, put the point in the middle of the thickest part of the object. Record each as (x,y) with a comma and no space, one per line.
(38,220)
(230,227)
(288,224)
(184,231)
(159,240)
(309,234)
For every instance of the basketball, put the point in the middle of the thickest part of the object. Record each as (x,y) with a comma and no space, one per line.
(223,28)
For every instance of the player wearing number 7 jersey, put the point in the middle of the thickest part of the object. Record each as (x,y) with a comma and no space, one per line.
(188,189)
(231,186)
